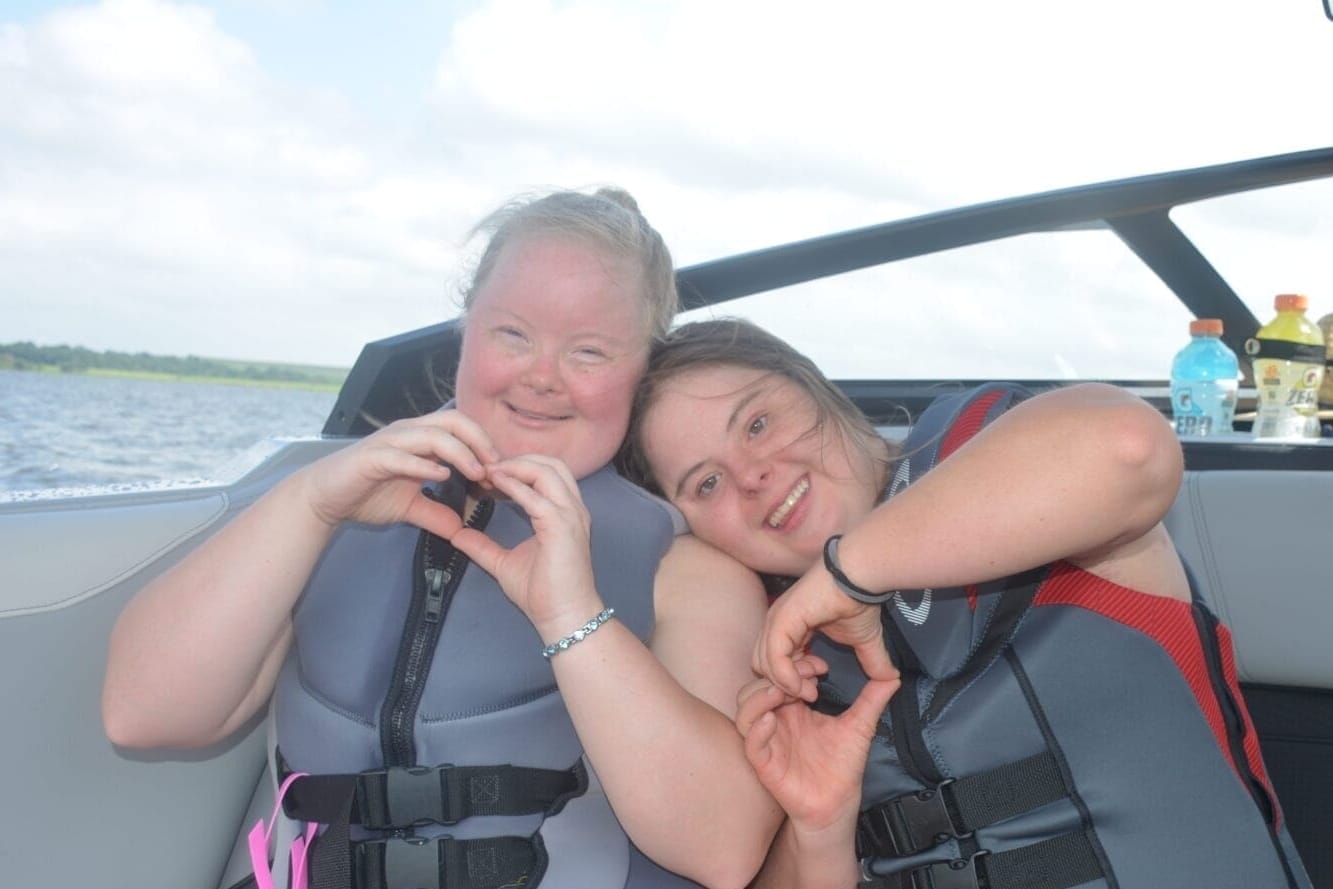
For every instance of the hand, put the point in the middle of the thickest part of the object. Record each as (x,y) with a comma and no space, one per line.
(814,602)
(378,479)
(810,762)
(549,576)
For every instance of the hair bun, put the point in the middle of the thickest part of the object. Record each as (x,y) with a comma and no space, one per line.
(618,196)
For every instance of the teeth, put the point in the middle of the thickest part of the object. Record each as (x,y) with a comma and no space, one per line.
(796,494)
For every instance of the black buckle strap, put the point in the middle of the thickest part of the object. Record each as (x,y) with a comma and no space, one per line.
(447,863)
(960,873)
(403,797)
(958,807)
(1060,862)
(907,824)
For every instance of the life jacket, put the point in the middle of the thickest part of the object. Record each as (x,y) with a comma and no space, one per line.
(438,749)
(1055,729)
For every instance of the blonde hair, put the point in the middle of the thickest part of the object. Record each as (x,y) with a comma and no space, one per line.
(609,220)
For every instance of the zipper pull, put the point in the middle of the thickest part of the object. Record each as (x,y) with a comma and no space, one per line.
(436,578)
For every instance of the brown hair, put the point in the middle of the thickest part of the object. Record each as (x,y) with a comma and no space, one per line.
(735,342)
(609,220)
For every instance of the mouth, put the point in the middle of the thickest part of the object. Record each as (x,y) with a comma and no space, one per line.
(535,416)
(779,515)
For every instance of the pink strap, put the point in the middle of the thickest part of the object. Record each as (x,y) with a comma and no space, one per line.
(259,837)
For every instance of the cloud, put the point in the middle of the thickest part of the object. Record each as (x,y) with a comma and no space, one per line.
(166,178)
(168,187)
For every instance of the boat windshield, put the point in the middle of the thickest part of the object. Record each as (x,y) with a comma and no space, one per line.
(1062,305)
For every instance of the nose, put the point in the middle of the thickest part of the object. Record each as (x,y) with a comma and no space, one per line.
(542,373)
(754,475)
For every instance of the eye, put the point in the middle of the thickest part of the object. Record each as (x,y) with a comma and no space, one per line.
(590,353)
(758,425)
(706,486)
(511,334)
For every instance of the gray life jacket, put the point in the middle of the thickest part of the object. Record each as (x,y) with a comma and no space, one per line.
(1057,730)
(438,747)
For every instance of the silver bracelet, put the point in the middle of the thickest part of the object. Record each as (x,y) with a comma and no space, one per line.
(578,635)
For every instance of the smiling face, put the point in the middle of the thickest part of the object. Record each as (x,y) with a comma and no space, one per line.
(741,454)
(553,345)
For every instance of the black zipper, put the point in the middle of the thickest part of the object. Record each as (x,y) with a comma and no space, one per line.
(905,708)
(437,570)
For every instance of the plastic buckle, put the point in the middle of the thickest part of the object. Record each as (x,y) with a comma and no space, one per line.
(909,823)
(413,795)
(960,873)
(925,820)
(412,862)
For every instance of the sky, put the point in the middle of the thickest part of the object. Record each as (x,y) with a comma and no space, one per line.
(288,179)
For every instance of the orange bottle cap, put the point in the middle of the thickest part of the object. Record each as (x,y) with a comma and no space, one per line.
(1206,327)
(1288,302)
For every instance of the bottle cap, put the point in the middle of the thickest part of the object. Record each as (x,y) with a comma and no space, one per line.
(1206,327)
(1291,302)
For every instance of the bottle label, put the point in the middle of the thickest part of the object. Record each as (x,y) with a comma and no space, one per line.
(1287,392)
(1285,350)
(1203,407)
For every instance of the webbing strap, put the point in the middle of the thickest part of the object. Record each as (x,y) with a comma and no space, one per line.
(398,798)
(447,863)
(957,807)
(1058,863)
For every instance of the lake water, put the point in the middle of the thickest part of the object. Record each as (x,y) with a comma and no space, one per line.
(71,431)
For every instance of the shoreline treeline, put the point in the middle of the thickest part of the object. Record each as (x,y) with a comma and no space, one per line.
(77,359)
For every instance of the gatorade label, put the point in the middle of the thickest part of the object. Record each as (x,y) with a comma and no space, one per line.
(1287,392)
(1203,408)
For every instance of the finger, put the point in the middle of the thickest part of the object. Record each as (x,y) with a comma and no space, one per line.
(424,442)
(546,475)
(449,436)
(485,552)
(466,430)
(557,466)
(750,689)
(434,517)
(400,464)
(533,502)
(764,699)
(759,747)
(782,642)
(869,705)
(808,665)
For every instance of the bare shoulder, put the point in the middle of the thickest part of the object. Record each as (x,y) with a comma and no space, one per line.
(694,568)
(709,612)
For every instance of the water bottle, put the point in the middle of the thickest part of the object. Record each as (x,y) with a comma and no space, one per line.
(1288,354)
(1204,378)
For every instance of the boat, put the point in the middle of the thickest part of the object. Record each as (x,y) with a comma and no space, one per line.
(1250,521)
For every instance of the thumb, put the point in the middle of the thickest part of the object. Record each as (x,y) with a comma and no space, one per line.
(874,658)
(434,517)
(482,550)
(869,705)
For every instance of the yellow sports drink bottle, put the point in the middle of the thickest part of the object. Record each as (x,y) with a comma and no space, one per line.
(1288,355)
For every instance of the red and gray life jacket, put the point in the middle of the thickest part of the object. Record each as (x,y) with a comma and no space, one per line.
(1057,730)
(438,747)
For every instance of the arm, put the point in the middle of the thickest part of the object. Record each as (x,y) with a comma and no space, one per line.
(1076,473)
(196,653)
(1083,473)
(656,724)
